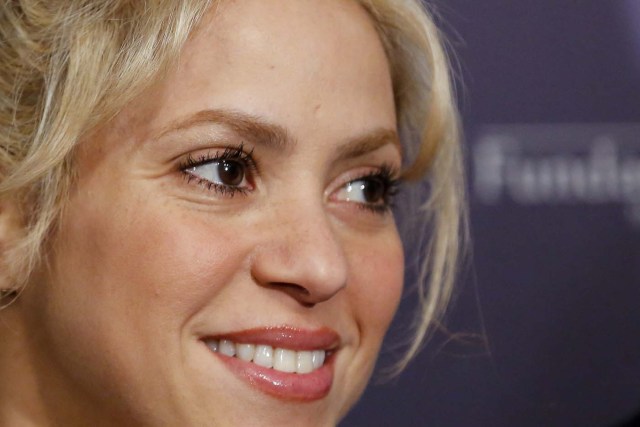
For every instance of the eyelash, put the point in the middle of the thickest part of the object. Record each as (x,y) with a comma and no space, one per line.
(386,174)
(235,153)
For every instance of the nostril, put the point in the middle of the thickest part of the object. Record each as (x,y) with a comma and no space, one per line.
(298,292)
(309,269)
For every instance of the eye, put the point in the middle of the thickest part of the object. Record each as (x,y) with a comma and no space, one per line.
(374,191)
(231,173)
(365,190)
(226,173)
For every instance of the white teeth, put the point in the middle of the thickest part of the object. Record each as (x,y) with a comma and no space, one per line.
(264,356)
(304,364)
(280,359)
(227,348)
(245,351)
(318,358)
(285,360)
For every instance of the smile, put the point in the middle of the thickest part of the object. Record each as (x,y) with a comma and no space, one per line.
(280,359)
(283,362)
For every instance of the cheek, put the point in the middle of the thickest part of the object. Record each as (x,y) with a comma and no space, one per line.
(128,278)
(379,270)
(154,262)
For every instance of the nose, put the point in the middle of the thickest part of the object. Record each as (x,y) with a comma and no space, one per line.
(301,255)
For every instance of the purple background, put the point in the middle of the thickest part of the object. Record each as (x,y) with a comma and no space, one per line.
(546,325)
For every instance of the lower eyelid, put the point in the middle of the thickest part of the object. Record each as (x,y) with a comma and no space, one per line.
(212,187)
(190,165)
(381,207)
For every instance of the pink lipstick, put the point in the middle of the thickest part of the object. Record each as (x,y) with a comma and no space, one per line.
(284,362)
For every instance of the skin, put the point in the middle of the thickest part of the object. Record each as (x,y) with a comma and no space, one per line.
(145,261)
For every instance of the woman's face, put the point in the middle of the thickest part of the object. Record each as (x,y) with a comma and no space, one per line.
(239,205)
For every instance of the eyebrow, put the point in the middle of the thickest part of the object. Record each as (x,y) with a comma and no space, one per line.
(245,125)
(277,137)
(369,142)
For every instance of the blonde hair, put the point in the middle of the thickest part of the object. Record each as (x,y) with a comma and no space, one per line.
(69,66)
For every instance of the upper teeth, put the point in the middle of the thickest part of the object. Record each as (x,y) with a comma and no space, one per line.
(280,359)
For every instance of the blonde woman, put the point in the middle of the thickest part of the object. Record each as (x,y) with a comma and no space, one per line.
(195,205)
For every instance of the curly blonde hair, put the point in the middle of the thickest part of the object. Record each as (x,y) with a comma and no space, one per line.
(71,65)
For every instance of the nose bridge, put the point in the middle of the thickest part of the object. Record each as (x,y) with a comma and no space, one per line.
(304,255)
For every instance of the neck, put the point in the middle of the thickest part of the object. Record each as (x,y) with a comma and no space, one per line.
(20,400)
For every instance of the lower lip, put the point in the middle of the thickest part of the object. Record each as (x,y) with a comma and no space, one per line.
(285,386)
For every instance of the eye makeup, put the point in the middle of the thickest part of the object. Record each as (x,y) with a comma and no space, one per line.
(231,171)
(228,173)
(373,191)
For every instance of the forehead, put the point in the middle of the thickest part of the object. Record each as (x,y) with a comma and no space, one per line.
(292,62)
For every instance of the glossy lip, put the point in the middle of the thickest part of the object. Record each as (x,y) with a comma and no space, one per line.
(285,386)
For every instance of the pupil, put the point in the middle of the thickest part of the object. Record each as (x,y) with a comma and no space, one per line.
(231,173)
(373,191)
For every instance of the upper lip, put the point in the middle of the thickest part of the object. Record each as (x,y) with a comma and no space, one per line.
(289,337)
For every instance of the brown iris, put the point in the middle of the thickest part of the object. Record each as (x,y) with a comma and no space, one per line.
(231,172)
(373,190)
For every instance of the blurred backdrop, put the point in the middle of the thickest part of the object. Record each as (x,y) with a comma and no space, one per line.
(545,330)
